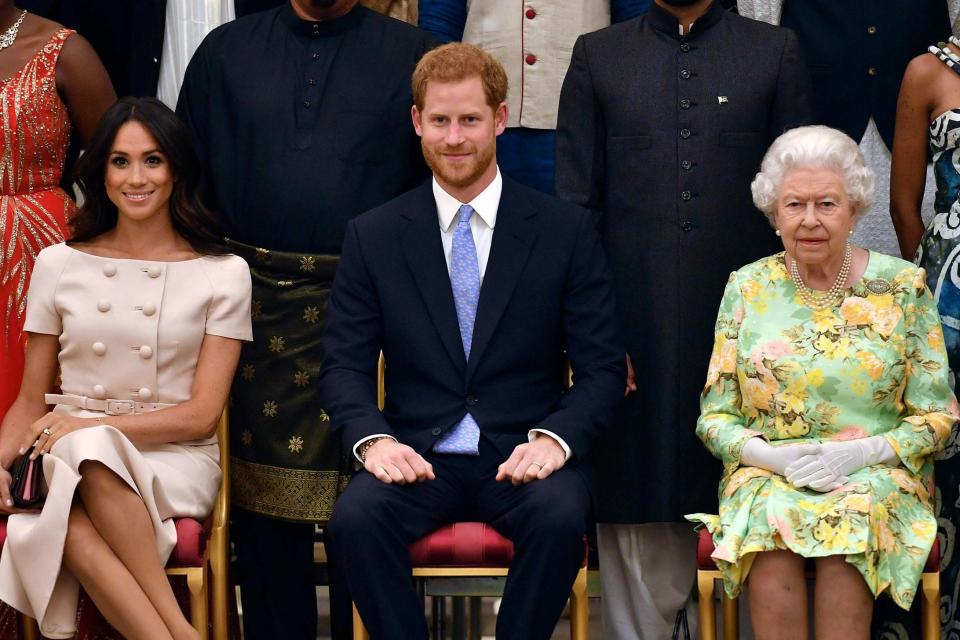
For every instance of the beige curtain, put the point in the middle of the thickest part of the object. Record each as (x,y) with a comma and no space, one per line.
(405,10)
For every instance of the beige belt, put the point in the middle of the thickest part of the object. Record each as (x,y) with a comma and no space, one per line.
(110,406)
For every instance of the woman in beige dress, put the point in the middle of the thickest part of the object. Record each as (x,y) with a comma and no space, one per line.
(145,312)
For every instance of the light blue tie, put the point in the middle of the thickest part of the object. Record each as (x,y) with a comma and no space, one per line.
(465,280)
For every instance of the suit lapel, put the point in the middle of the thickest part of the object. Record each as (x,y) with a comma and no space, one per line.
(513,238)
(424,254)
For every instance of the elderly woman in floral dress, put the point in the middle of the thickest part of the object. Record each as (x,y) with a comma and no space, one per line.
(826,398)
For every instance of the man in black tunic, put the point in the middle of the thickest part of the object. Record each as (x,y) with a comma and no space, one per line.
(663,122)
(301,115)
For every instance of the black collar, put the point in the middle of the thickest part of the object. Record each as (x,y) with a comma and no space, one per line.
(663,20)
(320,29)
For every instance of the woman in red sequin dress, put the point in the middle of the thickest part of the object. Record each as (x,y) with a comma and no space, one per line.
(50,81)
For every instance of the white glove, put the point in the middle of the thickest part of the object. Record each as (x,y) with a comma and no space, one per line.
(837,460)
(756,452)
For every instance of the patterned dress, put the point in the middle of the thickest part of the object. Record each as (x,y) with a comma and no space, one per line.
(34,134)
(874,365)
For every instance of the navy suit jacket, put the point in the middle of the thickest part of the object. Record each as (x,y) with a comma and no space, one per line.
(546,297)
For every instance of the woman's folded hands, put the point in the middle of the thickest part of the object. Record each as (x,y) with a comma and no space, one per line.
(822,467)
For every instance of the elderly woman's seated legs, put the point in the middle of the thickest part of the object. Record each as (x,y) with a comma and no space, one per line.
(842,602)
(121,520)
(778,596)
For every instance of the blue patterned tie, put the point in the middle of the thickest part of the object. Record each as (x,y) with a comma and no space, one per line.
(465,280)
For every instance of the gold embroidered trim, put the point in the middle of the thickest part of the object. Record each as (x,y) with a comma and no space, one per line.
(290,494)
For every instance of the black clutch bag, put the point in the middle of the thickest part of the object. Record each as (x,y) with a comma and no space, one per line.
(26,488)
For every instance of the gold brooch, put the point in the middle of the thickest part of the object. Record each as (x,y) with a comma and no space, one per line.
(879,286)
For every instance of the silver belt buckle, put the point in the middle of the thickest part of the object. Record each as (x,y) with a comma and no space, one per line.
(119,407)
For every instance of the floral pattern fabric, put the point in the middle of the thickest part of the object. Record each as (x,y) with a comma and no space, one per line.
(873,365)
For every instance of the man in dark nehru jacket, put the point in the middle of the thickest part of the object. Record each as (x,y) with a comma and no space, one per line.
(301,118)
(663,122)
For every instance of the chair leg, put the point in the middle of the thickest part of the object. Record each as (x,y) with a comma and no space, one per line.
(930,606)
(359,631)
(29,627)
(199,613)
(708,614)
(731,616)
(579,607)
(220,596)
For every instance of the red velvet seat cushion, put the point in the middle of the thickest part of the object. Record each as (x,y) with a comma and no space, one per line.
(191,542)
(3,530)
(462,544)
(705,550)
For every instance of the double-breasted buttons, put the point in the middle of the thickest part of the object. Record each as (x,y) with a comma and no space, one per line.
(145,352)
(686,196)
(684,133)
(99,348)
(103,305)
(109,269)
(99,391)
(154,271)
(685,74)
(149,309)
(144,394)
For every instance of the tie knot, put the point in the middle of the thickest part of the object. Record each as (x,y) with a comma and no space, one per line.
(465,211)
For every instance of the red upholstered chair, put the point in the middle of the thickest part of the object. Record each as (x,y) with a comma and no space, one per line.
(201,555)
(476,550)
(707,572)
(473,550)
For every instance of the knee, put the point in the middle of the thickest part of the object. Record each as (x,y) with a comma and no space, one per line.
(558,520)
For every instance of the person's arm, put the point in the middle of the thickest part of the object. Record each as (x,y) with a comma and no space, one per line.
(621,10)
(930,408)
(84,85)
(908,169)
(793,104)
(445,19)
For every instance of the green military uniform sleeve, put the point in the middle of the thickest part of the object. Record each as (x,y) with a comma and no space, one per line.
(929,404)
(721,426)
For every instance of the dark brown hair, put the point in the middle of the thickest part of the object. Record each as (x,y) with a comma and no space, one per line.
(190,217)
(458,61)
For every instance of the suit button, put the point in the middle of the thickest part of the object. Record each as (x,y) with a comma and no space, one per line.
(436,431)
(144,394)
(872,71)
(472,401)
(685,196)
(686,165)
(687,226)
(316,56)
(685,104)
(145,352)
(103,306)
(154,271)
(109,269)
(312,82)
(531,14)
(685,47)
(685,74)
(684,133)
(149,309)
(872,30)
(306,104)
(530,59)
(99,348)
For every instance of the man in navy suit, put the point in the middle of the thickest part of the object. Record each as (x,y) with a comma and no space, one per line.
(478,291)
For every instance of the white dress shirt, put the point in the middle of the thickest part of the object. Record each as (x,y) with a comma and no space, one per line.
(485,205)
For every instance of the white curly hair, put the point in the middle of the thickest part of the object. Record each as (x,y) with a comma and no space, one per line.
(815,146)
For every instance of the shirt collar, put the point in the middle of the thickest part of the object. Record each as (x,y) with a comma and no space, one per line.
(663,20)
(320,28)
(485,204)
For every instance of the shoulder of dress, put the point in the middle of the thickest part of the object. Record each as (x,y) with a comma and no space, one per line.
(224,269)
(54,253)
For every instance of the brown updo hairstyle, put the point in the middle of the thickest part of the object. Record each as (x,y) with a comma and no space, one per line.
(190,217)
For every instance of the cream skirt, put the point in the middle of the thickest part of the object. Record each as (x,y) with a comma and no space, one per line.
(174,481)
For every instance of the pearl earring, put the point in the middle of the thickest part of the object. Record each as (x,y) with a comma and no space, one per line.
(850,233)
(777,232)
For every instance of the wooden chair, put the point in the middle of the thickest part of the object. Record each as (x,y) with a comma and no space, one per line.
(202,555)
(467,550)
(707,573)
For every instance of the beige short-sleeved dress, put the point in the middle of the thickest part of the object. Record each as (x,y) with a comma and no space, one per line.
(130,331)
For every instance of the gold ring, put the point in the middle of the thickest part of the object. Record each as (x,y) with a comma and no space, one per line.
(47,432)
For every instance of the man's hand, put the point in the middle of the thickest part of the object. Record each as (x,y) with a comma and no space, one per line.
(532,461)
(631,378)
(389,461)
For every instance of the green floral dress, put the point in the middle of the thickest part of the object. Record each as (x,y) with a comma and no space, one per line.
(873,365)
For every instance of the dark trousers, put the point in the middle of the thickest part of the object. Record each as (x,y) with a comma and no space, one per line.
(373,523)
(277,589)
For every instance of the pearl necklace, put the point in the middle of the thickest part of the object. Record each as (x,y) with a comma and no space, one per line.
(8,36)
(830,297)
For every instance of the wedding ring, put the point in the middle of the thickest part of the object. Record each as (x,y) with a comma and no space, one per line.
(47,432)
